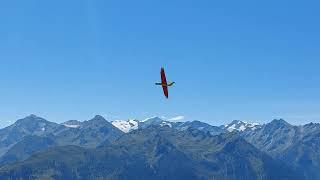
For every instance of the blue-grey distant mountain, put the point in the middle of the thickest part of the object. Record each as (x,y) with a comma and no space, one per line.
(89,133)
(31,125)
(293,149)
(32,134)
(213,130)
(304,153)
(155,153)
(273,138)
(297,146)
(155,121)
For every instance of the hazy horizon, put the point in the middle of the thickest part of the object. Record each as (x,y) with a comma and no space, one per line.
(171,119)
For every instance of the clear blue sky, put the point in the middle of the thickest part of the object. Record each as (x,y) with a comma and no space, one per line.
(247,60)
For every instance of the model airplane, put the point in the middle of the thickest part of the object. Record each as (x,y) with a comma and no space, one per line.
(164,83)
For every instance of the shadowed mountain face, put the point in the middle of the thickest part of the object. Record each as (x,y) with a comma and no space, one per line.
(304,153)
(26,147)
(155,153)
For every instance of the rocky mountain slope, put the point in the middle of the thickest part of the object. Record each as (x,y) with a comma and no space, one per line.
(293,148)
(155,153)
(297,146)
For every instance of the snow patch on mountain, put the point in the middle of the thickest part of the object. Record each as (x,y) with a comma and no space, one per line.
(237,125)
(72,124)
(126,125)
(165,123)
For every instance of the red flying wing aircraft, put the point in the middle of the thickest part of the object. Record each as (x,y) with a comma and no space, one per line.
(164,83)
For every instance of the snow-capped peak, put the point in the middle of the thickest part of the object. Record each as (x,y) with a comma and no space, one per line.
(126,125)
(237,125)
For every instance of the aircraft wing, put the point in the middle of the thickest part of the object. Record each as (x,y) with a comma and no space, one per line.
(165,91)
(163,77)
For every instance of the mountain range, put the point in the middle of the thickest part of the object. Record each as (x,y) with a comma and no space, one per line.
(158,149)
(32,134)
(130,125)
